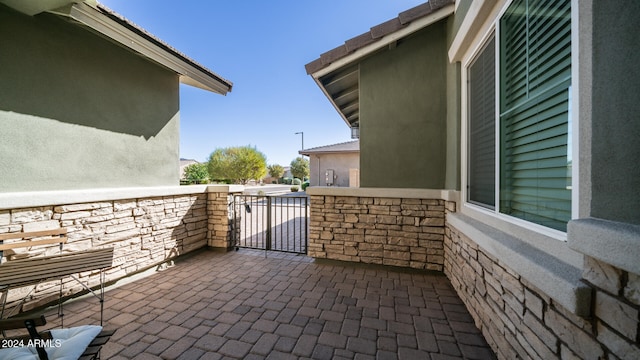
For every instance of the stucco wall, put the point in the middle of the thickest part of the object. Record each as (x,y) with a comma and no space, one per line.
(340,163)
(615,97)
(452,179)
(80,112)
(403,107)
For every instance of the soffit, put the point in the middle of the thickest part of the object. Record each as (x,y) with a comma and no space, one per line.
(343,88)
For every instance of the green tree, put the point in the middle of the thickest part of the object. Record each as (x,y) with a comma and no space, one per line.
(237,164)
(196,173)
(276,171)
(300,167)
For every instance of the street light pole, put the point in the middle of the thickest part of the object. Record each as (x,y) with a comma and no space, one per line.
(301,133)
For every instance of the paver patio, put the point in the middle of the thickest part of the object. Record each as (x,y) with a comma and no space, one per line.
(241,305)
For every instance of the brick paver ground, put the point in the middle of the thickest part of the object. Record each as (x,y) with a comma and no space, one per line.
(241,305)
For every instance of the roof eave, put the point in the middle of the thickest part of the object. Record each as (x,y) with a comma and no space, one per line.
(385,41)
(308,153)
(190,72)
(318,70)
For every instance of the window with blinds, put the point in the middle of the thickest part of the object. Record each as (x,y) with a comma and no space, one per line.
(481,182)
(535,84)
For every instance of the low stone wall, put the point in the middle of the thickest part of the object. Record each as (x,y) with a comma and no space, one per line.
(144,232)
(402,231)
(520,321)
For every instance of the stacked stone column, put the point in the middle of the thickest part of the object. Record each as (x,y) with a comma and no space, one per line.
(220,211)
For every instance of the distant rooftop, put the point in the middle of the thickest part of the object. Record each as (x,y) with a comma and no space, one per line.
(350,146)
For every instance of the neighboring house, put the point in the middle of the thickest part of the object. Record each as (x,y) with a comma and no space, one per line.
(521,117)
(183,164)
(334,165)
(88,99)
(271,180)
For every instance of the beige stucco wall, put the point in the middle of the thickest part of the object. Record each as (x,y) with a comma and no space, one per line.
(340,163)
(78,111)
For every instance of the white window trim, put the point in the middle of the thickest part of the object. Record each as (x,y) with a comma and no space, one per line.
(491,27)
(575,111)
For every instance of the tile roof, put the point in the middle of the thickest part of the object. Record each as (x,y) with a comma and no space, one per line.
(349,146)
(376,33)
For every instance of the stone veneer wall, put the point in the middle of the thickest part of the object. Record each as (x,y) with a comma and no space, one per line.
(405,232)
(520,321)
(144,233)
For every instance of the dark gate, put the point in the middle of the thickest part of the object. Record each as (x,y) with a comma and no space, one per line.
(278,223)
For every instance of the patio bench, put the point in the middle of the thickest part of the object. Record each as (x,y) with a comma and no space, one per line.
(18,273)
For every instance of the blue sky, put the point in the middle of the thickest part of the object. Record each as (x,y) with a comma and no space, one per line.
(262,47)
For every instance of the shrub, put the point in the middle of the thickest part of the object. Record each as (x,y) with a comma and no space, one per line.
(294,189)
(305,185)
(195,174)
(297,181)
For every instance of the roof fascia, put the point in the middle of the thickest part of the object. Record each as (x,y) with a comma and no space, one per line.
(386,40)
(189,74)
(316,152)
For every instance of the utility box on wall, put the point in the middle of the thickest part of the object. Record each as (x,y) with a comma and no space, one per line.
(329,177)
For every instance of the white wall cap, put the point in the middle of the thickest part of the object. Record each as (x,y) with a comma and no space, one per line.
(18,200)
(448,195)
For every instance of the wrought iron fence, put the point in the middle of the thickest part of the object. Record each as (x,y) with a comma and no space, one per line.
(278,223)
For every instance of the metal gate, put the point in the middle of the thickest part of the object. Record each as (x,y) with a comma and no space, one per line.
(278,223)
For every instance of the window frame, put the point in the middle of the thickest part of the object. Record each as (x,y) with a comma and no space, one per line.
(491,28)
